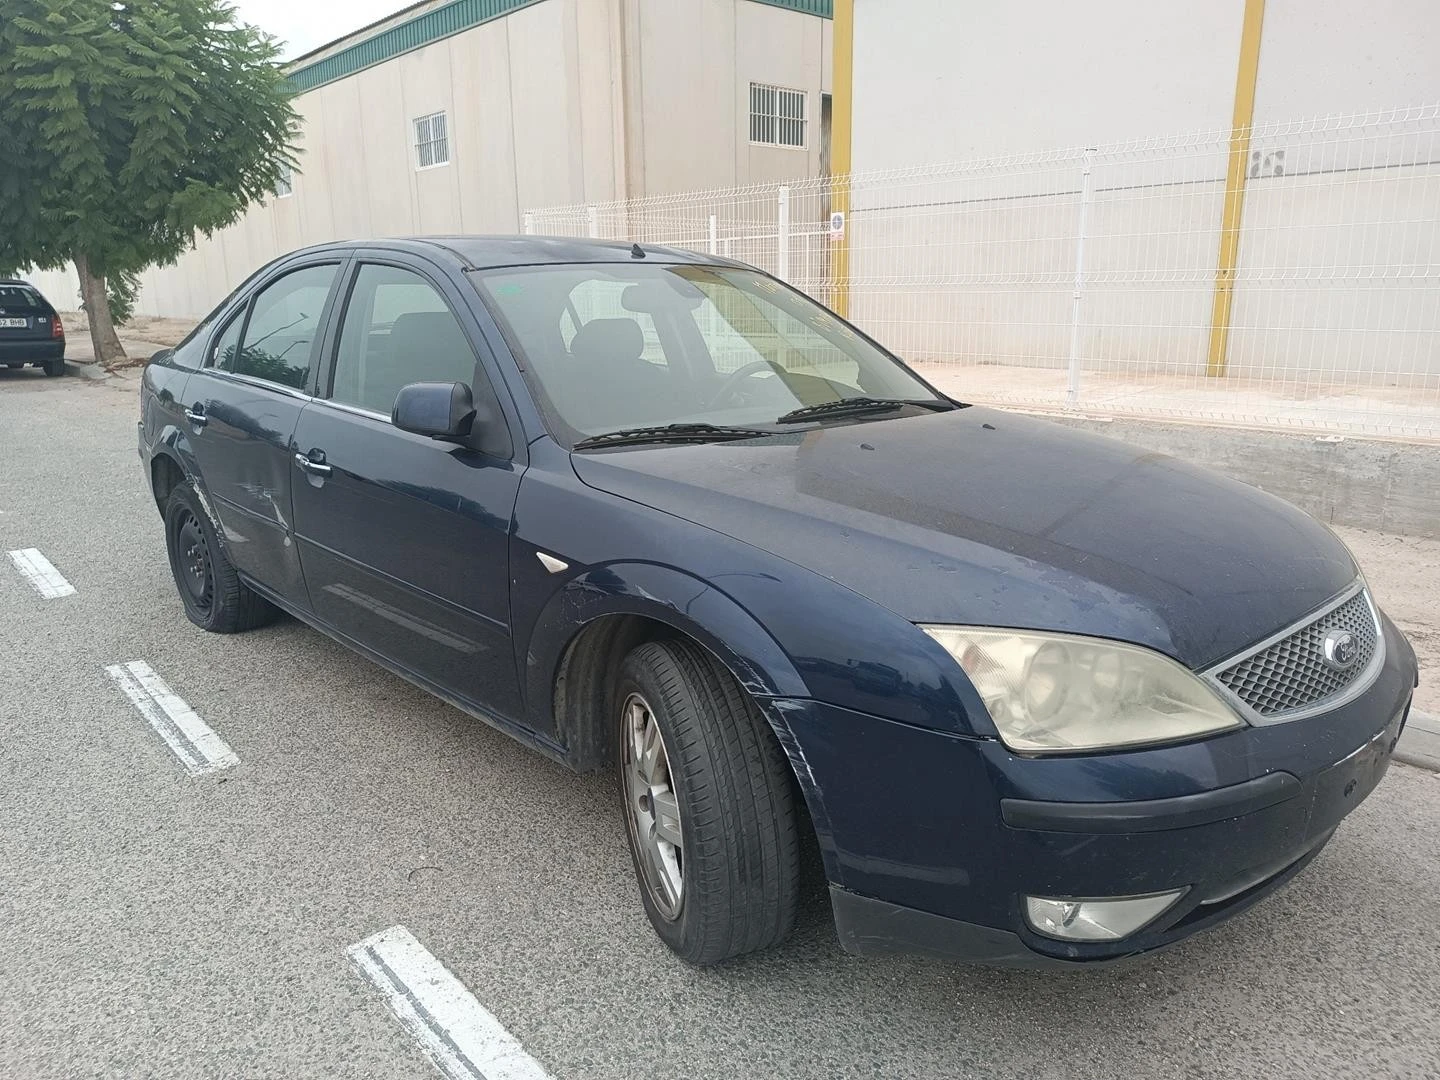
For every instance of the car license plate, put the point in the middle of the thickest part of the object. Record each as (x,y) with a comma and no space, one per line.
(14,324)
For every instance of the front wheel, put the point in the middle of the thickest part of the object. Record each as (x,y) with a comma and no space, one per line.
(215,598)
(708,804)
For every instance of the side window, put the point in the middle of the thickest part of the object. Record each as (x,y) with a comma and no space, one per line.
(222,356)
(279,342)
(597,300)
(398,330)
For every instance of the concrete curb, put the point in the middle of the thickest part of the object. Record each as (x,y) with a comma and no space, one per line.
(86,370)
(1420,744)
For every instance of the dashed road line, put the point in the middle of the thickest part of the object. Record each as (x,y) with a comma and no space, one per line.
(460,1035)
(194,743)
(41,573)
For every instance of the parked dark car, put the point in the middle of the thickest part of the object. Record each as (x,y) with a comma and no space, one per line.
(30,329)
(1036,696)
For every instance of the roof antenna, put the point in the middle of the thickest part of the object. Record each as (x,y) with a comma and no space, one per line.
(635,252)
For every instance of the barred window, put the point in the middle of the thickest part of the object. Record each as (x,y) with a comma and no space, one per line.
(285,182)
(432,142)
(777,116)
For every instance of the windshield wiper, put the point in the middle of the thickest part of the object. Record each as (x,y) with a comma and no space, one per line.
(668,433)
(856,406)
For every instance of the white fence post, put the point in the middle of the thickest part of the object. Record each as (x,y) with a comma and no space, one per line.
(1072,394)
(527,224)
(714,235)
(592,219)
(782,240)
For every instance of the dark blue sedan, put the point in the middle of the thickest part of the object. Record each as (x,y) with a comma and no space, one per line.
(1035,697)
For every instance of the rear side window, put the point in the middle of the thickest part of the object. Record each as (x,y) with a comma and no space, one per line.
(280,336)
(227,344)
(15,299)
(398,330)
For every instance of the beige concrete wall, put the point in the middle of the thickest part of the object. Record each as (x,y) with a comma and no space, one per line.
(939,81)
(692,62)
(541,107)
(1336,272)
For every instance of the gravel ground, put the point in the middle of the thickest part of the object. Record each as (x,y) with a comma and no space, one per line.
(158,925)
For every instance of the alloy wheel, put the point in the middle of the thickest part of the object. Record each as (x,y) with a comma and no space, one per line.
(651,807)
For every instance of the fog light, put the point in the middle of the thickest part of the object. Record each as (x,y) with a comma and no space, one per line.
(1103,919)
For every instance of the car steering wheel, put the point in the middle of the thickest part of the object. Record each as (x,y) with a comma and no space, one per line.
(733,380)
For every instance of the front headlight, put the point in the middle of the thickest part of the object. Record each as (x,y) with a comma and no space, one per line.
(1058,692)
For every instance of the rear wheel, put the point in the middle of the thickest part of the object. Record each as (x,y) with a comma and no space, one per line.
(215,598)
(55,367)
(708,805)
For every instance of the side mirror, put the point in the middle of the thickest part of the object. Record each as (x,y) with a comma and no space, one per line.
(440,410)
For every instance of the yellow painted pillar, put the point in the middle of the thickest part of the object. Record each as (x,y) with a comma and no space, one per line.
(842,101)
(1246,74)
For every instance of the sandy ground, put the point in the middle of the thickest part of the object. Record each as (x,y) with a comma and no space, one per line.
(141,336)
(1408,410)
(1404,574)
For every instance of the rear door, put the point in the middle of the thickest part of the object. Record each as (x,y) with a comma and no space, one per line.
(241,409)
(404,539)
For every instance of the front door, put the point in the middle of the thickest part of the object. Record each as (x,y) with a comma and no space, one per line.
(241,408)
(404,539)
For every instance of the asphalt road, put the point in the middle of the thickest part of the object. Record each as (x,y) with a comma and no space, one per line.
(154,924)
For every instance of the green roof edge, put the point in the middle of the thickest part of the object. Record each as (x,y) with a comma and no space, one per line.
(445,21)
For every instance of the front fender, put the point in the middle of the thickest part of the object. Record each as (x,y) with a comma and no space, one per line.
(690,605)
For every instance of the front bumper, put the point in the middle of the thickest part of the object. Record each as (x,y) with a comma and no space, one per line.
(43,350)
(931,841)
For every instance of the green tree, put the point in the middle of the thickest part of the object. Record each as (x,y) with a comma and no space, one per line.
(126,126)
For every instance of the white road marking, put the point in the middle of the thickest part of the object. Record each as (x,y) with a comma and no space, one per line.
(459,1034)
(198,747)
(39,571)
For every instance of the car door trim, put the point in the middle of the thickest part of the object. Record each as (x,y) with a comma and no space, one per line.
(480,616)
(231,504)
(354,410)
(526,735)
(260,384)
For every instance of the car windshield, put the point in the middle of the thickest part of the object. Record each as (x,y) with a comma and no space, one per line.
(610,347)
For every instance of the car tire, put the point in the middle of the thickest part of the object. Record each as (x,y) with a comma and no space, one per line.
(709,759)
(55,367)
(215,598)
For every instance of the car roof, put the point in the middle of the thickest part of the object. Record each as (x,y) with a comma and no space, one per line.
(489,252)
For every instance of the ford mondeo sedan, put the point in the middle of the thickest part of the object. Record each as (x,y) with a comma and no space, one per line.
(1036,697)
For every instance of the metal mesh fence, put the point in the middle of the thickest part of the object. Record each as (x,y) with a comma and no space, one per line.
(1087,278)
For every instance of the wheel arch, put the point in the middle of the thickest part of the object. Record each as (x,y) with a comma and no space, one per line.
(589,626)
(166,474)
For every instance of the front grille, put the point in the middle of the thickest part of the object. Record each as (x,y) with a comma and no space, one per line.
(1291,674)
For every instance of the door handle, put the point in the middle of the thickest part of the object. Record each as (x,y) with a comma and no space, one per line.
(197,416)
(315,468)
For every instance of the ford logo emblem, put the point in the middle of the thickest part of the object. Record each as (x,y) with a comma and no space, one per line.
(1341,649)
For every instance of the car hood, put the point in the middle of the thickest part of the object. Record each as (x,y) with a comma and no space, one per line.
(988,518)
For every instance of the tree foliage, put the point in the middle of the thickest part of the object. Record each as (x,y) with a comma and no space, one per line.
(126,126)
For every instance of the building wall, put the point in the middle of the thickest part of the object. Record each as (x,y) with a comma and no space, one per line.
(560,101)
(938,81)
(692,63)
